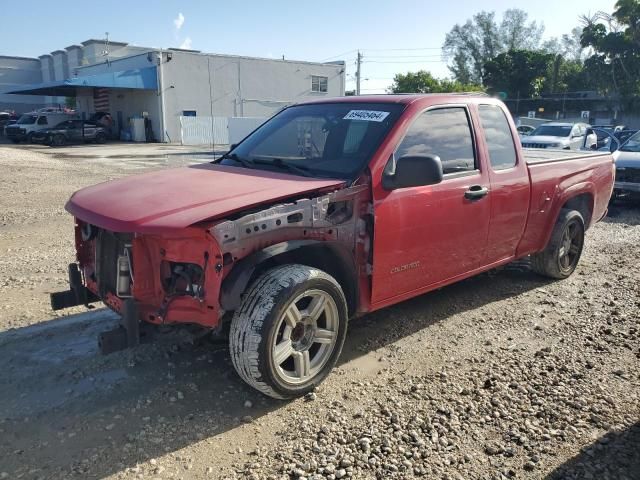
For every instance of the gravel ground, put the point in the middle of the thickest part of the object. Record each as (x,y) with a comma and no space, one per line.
(505,375)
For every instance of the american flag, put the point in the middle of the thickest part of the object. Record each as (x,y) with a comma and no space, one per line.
(101,99)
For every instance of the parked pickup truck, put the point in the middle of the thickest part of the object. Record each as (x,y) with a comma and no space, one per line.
(329,210)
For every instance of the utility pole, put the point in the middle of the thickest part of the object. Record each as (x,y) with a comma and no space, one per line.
(358,62)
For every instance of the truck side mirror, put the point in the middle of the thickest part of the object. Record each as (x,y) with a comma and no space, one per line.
(412,171)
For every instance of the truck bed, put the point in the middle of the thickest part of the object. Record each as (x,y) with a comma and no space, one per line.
(545,155)
(554,174)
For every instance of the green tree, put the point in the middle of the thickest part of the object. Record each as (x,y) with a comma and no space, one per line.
(568,45)
(615,64)
(518,72)
(471,45)
(423,82)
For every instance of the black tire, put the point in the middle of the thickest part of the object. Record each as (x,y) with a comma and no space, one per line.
(101,138)
(30,138)
(58,140)
(15,140)
(561,255)
(258,324)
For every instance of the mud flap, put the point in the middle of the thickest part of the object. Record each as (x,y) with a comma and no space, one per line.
(125,335)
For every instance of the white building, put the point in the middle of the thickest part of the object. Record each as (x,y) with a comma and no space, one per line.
(165,85)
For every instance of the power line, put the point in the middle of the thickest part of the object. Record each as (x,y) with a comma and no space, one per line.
(410,61)
(404,56)
(400,49)
(339,55)
(409,49)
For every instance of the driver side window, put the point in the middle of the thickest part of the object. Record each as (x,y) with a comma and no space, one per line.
(443,132)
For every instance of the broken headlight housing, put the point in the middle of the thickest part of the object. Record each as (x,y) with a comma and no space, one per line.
(179,279)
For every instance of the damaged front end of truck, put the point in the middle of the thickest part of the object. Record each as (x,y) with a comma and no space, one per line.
(197,274)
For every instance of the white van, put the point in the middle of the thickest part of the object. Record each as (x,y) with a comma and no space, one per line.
(30,122)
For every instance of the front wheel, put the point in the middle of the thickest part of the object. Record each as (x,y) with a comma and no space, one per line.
(101,138)
(288,332)
(561,255)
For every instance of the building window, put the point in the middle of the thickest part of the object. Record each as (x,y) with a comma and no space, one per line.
(188,113)
(319,84)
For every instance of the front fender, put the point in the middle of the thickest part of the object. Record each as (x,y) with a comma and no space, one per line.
(238,278)
(336,261)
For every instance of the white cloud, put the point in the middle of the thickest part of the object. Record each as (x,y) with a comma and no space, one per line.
(186,43)
(179,21)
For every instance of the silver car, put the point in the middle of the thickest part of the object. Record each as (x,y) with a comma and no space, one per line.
(566,136)
(627,159)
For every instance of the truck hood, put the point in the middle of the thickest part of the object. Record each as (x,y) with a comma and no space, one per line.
(177,198)
(544,139)
(627,159)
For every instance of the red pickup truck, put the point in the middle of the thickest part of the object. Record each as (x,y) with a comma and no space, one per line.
(329,210)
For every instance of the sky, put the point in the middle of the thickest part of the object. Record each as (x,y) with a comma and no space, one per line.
(393,36)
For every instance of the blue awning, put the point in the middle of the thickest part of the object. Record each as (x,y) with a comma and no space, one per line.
(138,79)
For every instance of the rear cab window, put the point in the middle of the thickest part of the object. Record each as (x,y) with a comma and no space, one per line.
(444,132)
(499,138)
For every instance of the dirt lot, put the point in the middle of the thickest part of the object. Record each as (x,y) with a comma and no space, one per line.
(505,375)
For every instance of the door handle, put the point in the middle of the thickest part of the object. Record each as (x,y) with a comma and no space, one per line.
(476,192)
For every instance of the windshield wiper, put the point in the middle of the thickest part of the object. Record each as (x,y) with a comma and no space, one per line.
(278,162)
(245,162)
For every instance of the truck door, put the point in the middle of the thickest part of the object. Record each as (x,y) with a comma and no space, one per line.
(429,234)
(510,187)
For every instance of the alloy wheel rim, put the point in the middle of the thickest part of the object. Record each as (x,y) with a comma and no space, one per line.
(570,246)
(306,335)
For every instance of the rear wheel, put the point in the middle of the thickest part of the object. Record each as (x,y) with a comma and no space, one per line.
(289,330)
(101,138)
(561,255)
(58,140)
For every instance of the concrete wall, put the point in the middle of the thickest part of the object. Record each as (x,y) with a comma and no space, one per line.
(231,86)
(92,51)
(74,58)
(117,65)
(60,66)
(14,73)
(48,74)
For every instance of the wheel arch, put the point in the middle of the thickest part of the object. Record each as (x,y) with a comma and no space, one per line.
(583,203)
(331,257)
(579,197)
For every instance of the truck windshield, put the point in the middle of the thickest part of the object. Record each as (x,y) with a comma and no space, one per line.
(552,131)
(333,140)
(27,120)
(632,145)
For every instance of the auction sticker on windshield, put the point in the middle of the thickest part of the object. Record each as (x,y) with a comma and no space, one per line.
(368,115)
